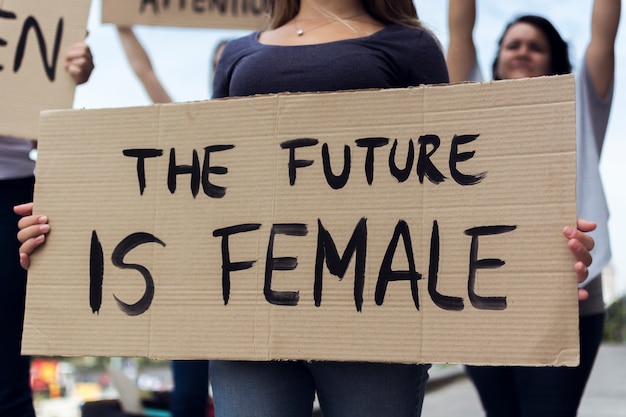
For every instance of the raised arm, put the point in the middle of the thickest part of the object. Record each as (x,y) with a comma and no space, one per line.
(600,56)
(461,55)
(141,65)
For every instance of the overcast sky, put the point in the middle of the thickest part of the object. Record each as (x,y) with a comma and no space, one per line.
(181,59)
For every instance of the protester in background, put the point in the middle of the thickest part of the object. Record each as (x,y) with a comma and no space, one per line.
(531,47)
(190,397)
(16,187)
(322,45)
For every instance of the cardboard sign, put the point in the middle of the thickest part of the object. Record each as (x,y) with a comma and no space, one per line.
(223,14)
(34,36)
(411,225)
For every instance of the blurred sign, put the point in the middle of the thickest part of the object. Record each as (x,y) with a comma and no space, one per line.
(34,36)
(222,14)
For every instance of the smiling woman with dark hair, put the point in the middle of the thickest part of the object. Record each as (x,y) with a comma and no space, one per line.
(557,47)
(530,47)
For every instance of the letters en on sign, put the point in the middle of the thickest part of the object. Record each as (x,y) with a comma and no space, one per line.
(224,14)
(412,225)
(34,36)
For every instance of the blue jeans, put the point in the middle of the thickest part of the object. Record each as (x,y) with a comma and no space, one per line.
(15,393)
(344,389)
(541,391)
(191,388)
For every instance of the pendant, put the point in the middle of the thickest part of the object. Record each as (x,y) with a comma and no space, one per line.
(299,32)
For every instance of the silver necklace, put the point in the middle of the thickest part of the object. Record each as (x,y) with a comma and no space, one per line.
(300,31)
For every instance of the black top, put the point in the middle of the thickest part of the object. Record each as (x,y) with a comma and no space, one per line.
(394,57)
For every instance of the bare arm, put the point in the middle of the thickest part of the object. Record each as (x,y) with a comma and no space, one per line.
(141,65)
(600,55)
(461,55)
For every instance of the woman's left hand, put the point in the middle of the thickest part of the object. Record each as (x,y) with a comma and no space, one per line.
(580,244)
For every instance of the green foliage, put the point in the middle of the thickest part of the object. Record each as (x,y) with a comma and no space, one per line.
(615,325)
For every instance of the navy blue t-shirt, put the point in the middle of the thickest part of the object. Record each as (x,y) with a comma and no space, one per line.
(396,56)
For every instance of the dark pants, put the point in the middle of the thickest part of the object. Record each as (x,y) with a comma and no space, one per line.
(539,391)
(191,388)
(15,393)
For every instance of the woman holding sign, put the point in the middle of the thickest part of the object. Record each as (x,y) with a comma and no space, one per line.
(16,187)
(324,45)
(320,46)
(530,47)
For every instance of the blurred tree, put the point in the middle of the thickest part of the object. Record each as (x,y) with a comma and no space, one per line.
(615,325)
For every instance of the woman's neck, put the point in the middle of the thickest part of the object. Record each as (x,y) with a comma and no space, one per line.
(323,21)
(323,9)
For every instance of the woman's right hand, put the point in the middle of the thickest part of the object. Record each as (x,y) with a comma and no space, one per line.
(32,233)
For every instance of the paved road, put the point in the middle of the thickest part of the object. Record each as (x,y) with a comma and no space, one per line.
(605,395)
